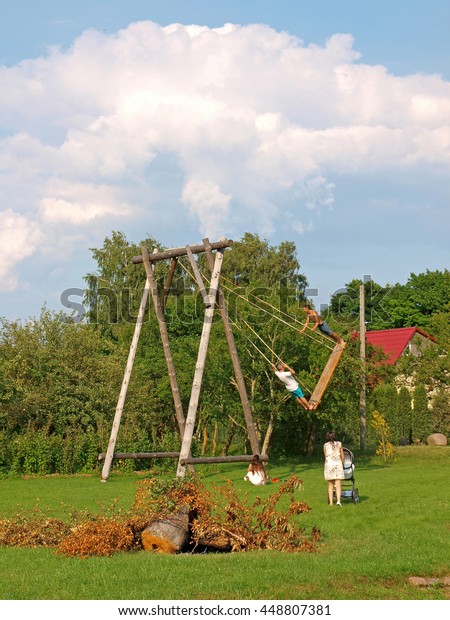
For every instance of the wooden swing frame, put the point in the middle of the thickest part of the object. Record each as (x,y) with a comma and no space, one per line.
(212,298)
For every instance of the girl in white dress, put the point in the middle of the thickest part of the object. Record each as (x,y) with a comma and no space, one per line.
(255,472)
(334,466)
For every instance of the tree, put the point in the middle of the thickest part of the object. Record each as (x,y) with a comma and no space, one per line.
(403,415)
(441,412)
(399,305)
(421,422)
(60,387)
(57,374)
(252,262)
(437,326)
(429,292)
(383,435)
(344,305)
(385,401)
(115,289)
(431,367)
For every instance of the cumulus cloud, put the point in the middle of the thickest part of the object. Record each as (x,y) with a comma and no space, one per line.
(79,203)
(205,200)
(257,125)
(19,238)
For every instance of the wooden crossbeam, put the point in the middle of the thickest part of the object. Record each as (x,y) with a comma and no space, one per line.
(326,375)
(175,252)
(140,455)
(245,458)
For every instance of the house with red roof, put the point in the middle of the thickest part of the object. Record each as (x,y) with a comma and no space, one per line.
(395,342)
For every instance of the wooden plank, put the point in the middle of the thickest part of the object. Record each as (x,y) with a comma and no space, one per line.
(200,365)
(326,375)
(174,252)
(140,455)
(125,383)
(197,274)
(166,291)
(251,429)
(165,339)
(246,458)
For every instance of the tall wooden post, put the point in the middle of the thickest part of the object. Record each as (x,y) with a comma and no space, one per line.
(126,380)
(197,275)
(362,355)
(210,303)
(173,266)
(253,438)
(165,340)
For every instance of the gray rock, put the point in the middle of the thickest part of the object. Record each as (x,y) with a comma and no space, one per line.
(437,439)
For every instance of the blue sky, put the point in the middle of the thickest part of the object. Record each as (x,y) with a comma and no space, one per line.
(325,123)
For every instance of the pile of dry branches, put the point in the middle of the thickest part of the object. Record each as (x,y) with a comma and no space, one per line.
(219,520)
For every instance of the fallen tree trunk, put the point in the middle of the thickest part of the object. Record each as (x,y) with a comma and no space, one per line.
(167,535)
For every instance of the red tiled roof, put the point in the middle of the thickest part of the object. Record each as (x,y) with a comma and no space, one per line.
(393,341)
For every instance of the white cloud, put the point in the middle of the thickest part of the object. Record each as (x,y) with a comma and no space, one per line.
(79,204)
(19,238)
(258,127)
(206,201)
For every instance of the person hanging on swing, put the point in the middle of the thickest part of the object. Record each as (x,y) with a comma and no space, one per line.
(313,315)
(286,375)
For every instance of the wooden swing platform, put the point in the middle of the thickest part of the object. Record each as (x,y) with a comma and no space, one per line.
(326,375)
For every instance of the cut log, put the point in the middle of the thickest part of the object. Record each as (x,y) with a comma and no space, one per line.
(167,535)
(216,542)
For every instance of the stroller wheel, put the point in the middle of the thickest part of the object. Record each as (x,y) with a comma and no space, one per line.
(355,497)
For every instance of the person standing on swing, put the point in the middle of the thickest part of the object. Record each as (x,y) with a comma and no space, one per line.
(286,375)
(313,315)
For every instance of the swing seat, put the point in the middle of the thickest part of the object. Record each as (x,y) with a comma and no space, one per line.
(326,375)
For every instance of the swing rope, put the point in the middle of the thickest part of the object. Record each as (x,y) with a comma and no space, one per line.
(270,362)
(307,389)
(264,343)
(240,328)
(321,341)
(252,343)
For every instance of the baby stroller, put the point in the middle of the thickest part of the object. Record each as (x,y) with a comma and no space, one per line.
(349,479)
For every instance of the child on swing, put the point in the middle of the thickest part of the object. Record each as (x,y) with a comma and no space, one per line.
(319,323)
(285,374)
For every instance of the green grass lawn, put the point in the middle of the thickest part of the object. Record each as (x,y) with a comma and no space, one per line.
(400,528)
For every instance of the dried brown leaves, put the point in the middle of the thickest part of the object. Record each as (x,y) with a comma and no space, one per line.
(99,537)
(32,530)
(219,519)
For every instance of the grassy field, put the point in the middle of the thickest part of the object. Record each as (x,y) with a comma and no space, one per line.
(400,528)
